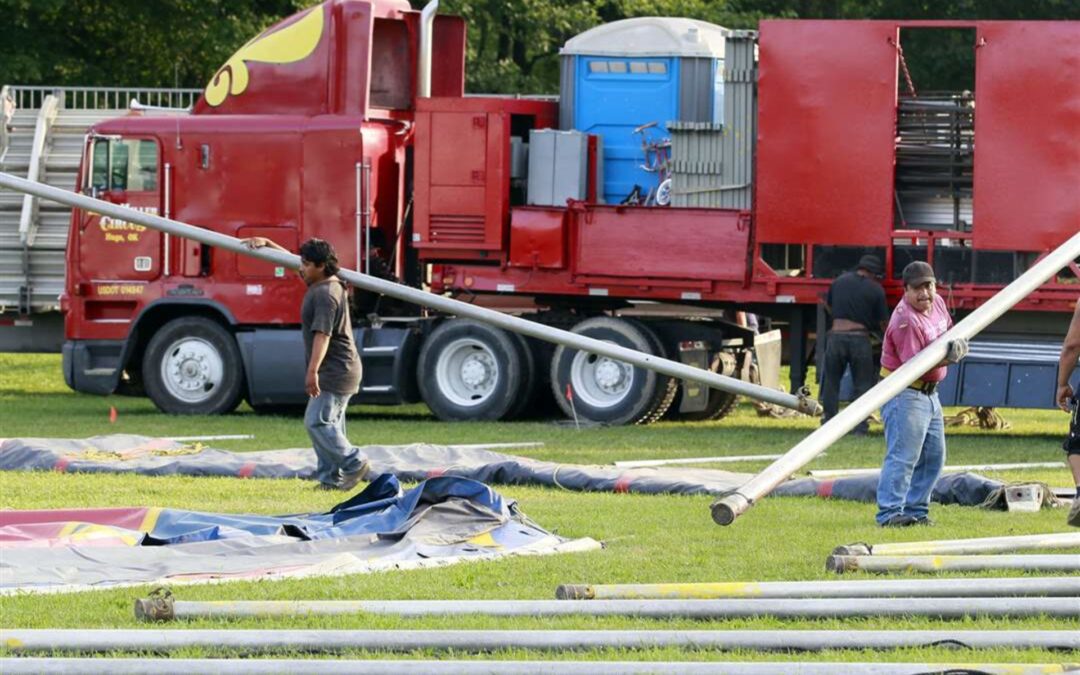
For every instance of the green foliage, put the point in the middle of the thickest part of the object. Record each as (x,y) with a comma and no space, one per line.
(513,44)
(127,42)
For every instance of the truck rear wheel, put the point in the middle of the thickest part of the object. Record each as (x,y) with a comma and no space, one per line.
(471,371)
(192,367)
(606,390)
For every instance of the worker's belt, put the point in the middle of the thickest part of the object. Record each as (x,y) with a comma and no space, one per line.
(927,388)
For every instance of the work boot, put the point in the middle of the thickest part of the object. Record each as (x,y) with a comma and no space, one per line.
(350,479)
(1074,511)
(924,520)
(899,520)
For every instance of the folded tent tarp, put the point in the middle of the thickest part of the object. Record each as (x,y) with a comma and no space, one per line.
(154,456)
(440,521)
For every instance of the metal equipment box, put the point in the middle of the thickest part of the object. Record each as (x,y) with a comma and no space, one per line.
(558,166)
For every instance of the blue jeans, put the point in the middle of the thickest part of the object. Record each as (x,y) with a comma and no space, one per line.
(914,455)
(325,423)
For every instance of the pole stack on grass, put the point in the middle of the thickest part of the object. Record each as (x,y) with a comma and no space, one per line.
(1028,542)
(960,555)
(165,609)
(893,588)
(67,666)
(48,641)
(954,563)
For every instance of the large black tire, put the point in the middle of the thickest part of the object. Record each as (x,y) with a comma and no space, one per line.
(527,389)
(192,367)
(471,371)
(608,391)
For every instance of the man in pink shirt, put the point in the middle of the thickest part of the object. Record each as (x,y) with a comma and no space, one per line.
(914,426)
(1067,399)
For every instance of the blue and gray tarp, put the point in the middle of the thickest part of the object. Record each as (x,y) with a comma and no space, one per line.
(441,521)
(420,461)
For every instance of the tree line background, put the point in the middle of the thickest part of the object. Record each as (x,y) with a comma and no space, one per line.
(513,44)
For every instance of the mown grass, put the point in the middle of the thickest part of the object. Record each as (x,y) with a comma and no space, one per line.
(648,539)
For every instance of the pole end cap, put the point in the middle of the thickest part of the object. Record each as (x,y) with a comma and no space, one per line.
(841,563)
(158,607)
(574,592)
(852,549)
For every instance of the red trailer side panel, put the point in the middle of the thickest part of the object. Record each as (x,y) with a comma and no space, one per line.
(1027,122)
(649,243)
(826,124)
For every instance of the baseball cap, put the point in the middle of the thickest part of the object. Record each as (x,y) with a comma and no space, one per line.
(918,273)
(870,263)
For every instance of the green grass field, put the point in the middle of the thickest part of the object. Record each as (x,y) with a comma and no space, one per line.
(649,539)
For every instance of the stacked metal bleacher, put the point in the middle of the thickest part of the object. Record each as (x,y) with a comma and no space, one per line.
(41,138)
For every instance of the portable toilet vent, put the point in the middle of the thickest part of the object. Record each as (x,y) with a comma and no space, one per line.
(622,75)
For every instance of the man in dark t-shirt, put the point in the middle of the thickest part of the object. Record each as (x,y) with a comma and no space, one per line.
(333,366)
(856,302)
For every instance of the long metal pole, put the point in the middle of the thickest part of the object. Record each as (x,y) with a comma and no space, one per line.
(696,609)
(1026,542)
(835,473)
(729,507)
(873,588)
(642,463)
(32,641)
(21,666)
(956,563)
(419,297)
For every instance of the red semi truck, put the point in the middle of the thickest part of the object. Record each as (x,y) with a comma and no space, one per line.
(337,123)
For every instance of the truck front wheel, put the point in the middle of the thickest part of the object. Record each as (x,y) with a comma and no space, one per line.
(192,367)
(471,371)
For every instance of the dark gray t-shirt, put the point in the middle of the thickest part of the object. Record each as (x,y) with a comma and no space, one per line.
(857,298)
(326,310)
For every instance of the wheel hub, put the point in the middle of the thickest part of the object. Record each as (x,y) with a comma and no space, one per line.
(475,372)
(608,375)
(192,369)
(467,372)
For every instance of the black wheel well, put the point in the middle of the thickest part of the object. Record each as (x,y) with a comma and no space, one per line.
(151,320)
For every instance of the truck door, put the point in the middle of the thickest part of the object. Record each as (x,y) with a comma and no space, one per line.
(124,172)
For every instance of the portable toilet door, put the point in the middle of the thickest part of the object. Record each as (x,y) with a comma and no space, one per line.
(620,76)
(623,94)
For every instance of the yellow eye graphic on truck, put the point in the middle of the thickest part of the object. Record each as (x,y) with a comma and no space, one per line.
(288,45)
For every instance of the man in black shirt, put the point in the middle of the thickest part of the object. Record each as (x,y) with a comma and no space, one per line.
(333,365)
(856,302)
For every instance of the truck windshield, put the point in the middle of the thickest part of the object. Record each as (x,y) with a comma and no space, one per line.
(129,165)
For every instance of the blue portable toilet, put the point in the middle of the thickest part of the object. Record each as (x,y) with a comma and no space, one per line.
(619,76)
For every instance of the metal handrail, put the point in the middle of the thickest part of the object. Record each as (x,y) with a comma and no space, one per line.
(104,98)
(7,110)
(38,153)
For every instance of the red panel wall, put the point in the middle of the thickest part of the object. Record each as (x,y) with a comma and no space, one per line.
(662,243)
(826,125)
(1027,134)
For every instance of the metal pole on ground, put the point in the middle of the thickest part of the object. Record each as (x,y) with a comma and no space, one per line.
(643,463)
(873,588)
(423,298)
(36,666)
(166,609)
(835,473)
(729,507)
(956,563)
(33,641)
(1027,542)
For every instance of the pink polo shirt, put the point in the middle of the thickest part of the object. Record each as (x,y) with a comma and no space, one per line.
(910,330)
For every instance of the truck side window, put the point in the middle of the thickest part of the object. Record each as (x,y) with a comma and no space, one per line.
(99,176)
(118,169)
(125,165)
